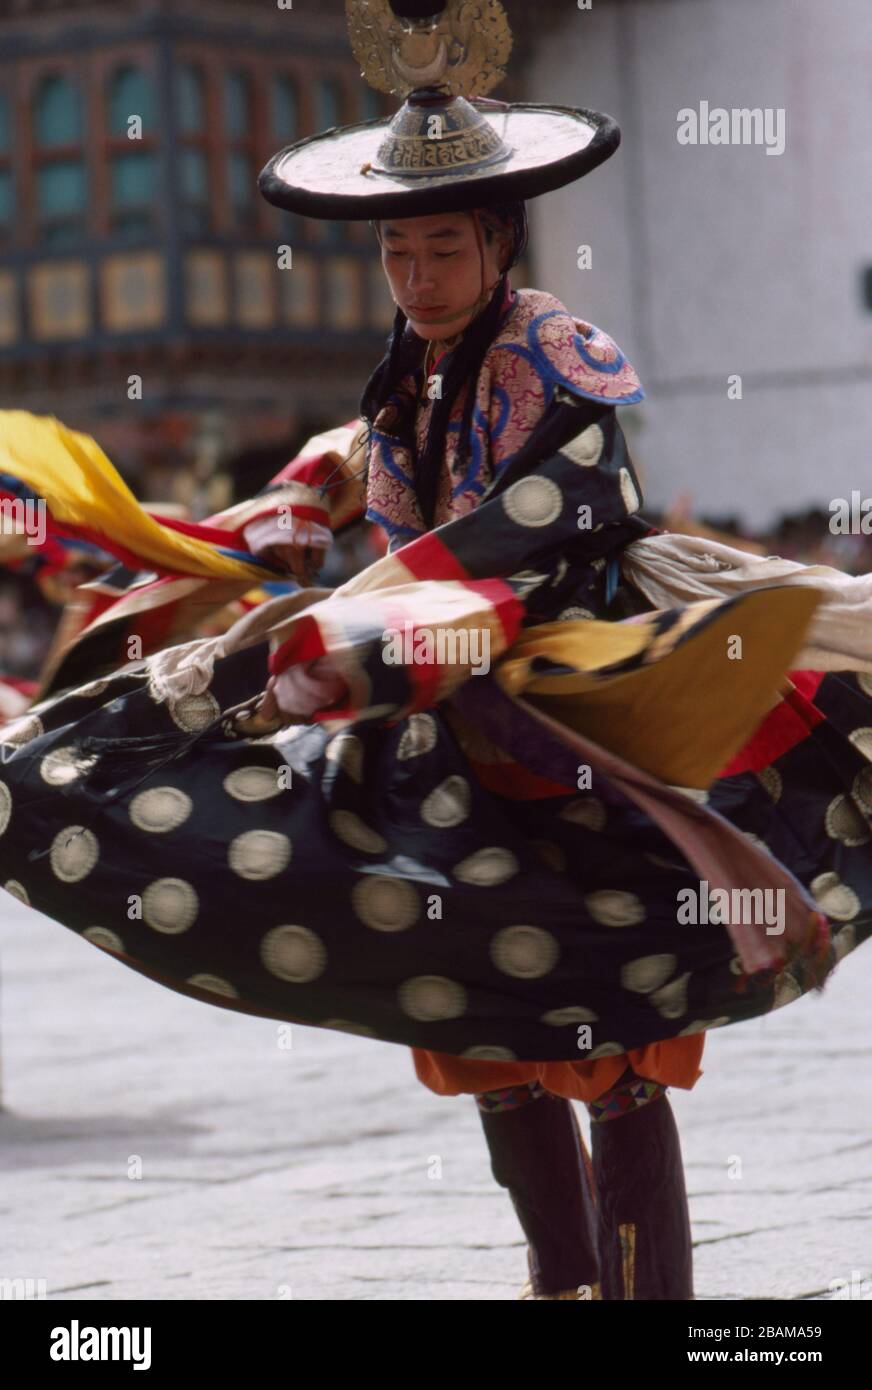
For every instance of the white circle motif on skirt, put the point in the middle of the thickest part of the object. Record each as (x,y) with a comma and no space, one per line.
(193,712)
(386,904)
(533,501)
(22,730)
(448,804)
(487,867)
(647,973)
(418,738)
(843,822)
(585,449)
(432,998)
(351,830)
(259,854)
(613,908)
(160,809)
(74,852)
(253,783)
(214,984)
(671,1000)
(347,751)
(834,897)
(64,765)
(170,905)
(292,953)
(527,953)
(103,937)
(572,1013)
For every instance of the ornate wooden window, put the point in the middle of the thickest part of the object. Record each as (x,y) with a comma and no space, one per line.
(132,141)
(284,119)
(60,171)
(242,162)
(193,149)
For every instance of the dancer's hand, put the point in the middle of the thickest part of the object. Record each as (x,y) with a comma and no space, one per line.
(299,692)
(302,562)
(268,707)
(297,545)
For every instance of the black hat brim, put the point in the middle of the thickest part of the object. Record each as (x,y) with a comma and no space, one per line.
(551,146)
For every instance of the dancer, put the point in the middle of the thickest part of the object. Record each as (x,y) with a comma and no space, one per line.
(482,794)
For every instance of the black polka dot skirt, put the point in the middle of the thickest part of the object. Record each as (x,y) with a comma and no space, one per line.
(366,881)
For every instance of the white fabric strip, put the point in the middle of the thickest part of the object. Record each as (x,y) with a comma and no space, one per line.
(673,569)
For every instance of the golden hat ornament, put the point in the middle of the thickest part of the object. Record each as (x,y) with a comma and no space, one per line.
(450,147)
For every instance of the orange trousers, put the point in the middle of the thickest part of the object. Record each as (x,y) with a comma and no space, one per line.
(674,1062)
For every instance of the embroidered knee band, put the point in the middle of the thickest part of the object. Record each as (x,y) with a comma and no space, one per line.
(621,1100)
(510,1097)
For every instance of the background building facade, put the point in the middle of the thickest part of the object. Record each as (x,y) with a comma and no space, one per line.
(715,260)
(151,297)
(148,292)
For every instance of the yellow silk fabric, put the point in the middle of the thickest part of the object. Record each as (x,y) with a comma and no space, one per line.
(688,706)
(83,489)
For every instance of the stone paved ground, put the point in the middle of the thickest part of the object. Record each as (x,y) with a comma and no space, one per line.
(308,1173)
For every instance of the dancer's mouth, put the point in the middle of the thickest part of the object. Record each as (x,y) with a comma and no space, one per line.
(428,312)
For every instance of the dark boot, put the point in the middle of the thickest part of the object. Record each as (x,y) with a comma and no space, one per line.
(537,1153)
(644,1236)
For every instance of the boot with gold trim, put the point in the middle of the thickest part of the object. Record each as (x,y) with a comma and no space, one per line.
(538,1154)
(645,1245)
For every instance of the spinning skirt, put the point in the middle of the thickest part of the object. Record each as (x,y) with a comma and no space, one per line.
(370,881)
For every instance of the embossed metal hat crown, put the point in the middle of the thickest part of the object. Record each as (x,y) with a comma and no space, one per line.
(434,133)
(449,147)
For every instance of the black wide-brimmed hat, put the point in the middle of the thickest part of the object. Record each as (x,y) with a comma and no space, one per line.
(448,148)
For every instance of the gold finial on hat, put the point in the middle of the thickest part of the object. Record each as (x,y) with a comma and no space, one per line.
(461,47)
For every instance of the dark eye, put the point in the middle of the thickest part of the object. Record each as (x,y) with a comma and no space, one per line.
(443,255)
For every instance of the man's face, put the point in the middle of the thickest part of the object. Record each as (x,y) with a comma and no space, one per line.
(433,263)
